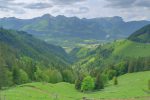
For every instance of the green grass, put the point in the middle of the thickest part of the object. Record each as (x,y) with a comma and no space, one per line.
(130,85)
(131,49)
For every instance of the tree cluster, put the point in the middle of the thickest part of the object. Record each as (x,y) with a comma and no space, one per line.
(89,83)
(26,70)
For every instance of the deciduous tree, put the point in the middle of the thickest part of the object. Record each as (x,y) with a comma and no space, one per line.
(87,84)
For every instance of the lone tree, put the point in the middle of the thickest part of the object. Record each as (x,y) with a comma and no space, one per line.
(115,80)
(99,84)
(87,84)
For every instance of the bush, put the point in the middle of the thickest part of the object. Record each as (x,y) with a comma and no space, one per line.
(87,84)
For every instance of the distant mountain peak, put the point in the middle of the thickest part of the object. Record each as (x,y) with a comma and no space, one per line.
(47,16)
(60,16)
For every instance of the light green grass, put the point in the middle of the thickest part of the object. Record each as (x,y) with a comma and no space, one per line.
(130,85)
(132,49)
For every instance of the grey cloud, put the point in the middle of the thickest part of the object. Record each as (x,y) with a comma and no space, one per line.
(77,10)
(143,3)
(128,3)
(66,2)
(10,5)
(121,3)
(39,6)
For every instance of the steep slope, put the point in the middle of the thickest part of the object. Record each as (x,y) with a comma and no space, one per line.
(17,44)
(142,35)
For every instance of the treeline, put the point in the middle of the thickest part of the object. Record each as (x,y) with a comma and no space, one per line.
(96,78)
(26,70)
(128,65)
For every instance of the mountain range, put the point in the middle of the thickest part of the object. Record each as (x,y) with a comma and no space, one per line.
(49,27)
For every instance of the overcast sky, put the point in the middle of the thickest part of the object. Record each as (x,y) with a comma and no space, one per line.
(128,9)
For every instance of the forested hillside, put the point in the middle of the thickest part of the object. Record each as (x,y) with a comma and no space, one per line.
(22,56)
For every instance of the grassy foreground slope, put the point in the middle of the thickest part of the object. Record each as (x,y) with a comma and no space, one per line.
(130,86)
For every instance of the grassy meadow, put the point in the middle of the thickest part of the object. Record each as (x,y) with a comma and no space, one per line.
(130,86)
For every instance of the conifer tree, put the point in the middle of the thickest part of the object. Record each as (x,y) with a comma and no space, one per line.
(115,81)
(99,84)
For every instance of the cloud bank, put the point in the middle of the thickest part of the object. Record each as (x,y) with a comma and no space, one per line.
(128,9)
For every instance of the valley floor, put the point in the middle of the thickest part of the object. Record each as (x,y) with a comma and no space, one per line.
(131,87)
